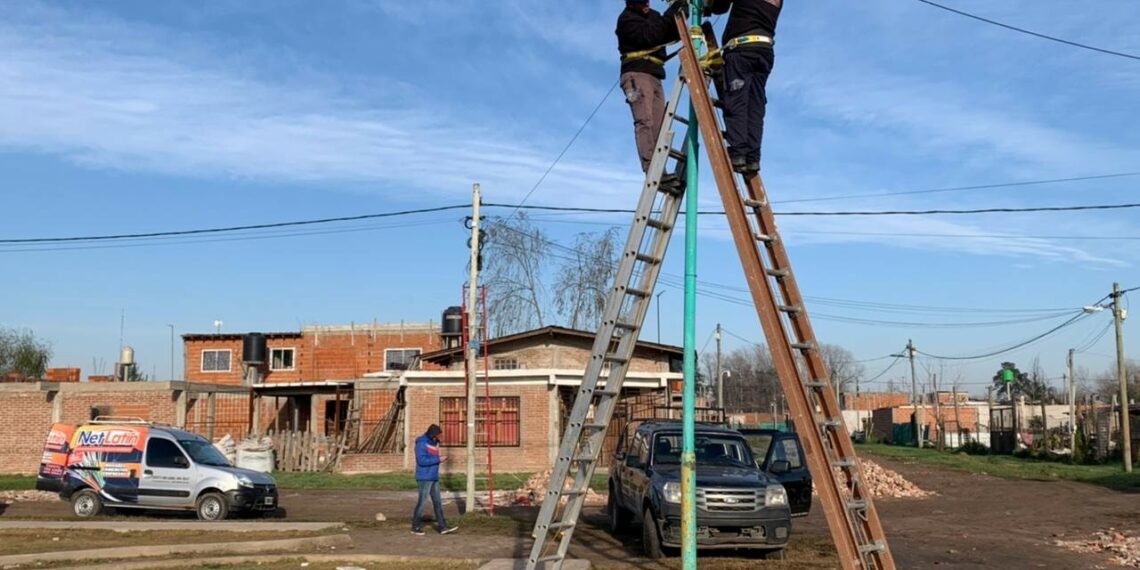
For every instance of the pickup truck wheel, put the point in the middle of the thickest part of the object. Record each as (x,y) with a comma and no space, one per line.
(213,507)
(86,504)
(619,517)
(650,540)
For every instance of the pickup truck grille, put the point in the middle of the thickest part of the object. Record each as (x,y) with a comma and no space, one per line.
(730,500)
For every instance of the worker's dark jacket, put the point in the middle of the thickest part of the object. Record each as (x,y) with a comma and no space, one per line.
(637,31)
(748,17)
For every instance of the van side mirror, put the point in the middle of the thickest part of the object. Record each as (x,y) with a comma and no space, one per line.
(780,467)
(181,462)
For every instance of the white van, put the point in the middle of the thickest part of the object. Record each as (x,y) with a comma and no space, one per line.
(132,464)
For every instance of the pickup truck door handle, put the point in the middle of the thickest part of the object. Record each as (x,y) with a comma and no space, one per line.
(148,472)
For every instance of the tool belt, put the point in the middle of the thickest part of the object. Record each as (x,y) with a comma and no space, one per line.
(648,55)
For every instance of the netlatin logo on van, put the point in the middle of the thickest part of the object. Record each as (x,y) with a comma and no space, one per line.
(108,438)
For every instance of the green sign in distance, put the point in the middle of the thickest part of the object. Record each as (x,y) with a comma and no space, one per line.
(1007,375)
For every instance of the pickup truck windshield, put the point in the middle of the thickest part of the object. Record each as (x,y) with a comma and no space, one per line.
(710,450)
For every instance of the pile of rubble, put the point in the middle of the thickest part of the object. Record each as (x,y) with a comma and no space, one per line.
(9,497)
(882,482)
(1124,549)
(534,490)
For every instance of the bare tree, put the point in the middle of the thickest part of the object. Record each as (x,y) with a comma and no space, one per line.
(514,275)
(1108,381)
(585,279)
(842,366)
(23,354)
(750,381)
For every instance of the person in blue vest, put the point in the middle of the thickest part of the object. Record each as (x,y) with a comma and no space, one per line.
(428,460)
(747,45)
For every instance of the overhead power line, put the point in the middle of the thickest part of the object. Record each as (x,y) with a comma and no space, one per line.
(959,188)
(843,213)
(515,207)
(1031,33)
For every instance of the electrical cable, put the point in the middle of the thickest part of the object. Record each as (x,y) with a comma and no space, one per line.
(843,213)
(1031,33)
(960,188)
(1023,344)
(565,149)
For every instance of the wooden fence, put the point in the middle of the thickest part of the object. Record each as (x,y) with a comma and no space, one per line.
(302,451)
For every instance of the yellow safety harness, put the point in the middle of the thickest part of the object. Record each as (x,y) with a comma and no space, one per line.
(647,55)
(715,58)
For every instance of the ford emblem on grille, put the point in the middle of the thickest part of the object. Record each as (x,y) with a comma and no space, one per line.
(730,500)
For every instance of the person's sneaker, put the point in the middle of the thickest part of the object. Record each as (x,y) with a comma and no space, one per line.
(417,532)
(449,530)
(752,168)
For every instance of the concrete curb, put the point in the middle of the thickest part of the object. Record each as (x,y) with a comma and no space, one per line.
(520,564)
(251,547)
(124,526)
(358,558)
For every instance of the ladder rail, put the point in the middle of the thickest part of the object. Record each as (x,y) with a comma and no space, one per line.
(847,532)
(574,450)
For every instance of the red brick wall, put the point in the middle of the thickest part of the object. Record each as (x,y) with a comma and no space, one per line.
(339,355)
(533,453)
(25,418)
(372,463)
(874,401)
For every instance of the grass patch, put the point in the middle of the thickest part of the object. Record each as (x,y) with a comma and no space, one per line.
(17,482)
(30,541)
(1009,467)
(404,481)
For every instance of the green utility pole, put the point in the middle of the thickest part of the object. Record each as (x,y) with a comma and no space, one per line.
(688,446)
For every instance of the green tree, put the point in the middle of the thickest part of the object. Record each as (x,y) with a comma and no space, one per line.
(23,354)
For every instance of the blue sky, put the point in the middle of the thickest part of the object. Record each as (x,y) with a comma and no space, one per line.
(122,117)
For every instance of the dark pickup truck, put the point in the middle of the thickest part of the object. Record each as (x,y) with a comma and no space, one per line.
(738,505)
(780,455)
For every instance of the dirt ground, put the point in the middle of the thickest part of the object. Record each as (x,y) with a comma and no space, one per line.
(975,522)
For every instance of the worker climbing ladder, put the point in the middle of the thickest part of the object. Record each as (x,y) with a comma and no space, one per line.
(847,504)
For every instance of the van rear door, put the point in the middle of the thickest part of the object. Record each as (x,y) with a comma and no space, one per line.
(53,464)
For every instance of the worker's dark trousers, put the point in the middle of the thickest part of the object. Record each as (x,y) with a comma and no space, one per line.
(647,102)
(746,71)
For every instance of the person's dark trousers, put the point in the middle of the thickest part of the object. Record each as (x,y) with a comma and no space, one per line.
(646,100)
(428,488)
(746,71)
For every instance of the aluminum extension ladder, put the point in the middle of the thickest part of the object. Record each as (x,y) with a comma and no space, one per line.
(847,504)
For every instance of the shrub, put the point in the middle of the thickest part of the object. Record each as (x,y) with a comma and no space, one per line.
(974,448)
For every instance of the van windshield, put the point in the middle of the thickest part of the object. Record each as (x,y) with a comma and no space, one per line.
(204,453)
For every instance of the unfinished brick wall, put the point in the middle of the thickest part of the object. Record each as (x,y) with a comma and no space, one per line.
(533,452)
(319,353)
(371,463)
(25,419)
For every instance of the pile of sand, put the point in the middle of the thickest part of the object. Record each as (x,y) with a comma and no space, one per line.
(1124,549)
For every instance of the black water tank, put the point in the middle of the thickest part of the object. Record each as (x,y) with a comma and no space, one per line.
(453,321)
(254,348)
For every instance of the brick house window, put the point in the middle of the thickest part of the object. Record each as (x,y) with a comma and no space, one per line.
(216,360)
(400,358)
(496,421)
(281,358)
(505,364)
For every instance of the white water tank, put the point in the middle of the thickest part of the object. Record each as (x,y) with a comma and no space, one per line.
(127,355)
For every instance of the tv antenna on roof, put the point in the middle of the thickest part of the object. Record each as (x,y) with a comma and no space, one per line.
(218,326)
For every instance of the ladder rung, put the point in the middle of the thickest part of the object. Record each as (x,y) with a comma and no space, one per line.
(594,426)
(792,309)
(780,273)
(551,558)
(615,359)
(569,493)
(677,153)
(612,393)
(874,547)
(636,292)
(658,224)
(680,119)
(832,423)
(856,505)
(754,203)
(562,524)
(766,238)
(843,463)
(803,345)
(817,384)
(645,258)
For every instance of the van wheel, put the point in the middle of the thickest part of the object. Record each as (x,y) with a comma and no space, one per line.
(213,507)
(619,517)
(86,504)
(650,540)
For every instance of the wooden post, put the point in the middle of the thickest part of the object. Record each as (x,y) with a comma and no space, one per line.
(211,414)
(1044,426)
(938,425)
(957,418)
